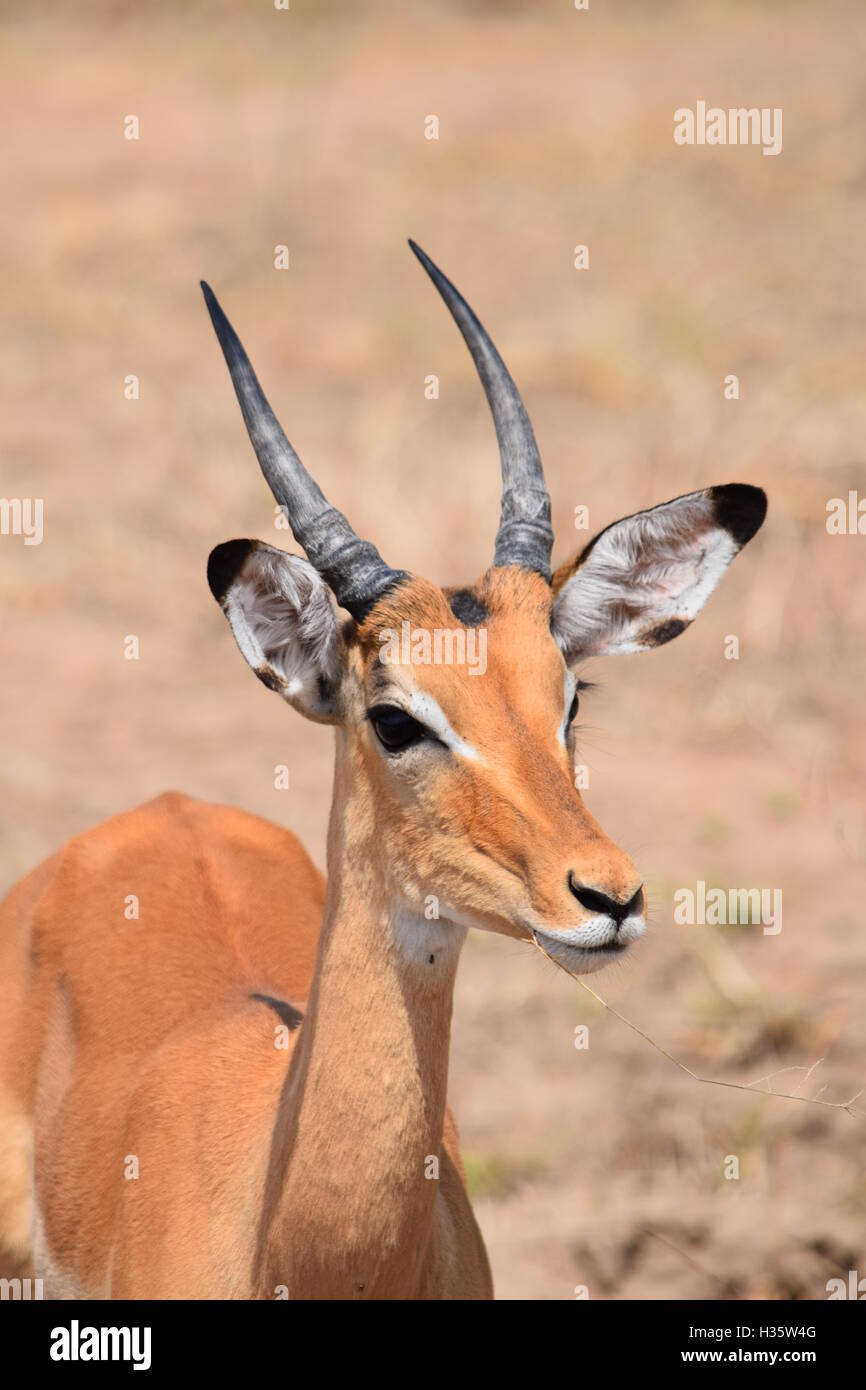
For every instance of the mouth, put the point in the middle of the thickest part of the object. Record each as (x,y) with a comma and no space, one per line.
(584,958)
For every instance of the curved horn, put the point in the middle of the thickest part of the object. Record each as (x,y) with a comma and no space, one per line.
(525,535)
(353,568)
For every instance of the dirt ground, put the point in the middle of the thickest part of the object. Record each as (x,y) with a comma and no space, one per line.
(602,1167)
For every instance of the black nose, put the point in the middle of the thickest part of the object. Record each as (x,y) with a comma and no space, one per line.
(594,901)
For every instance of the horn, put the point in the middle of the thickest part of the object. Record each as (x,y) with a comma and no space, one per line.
(353,568)
(525,535)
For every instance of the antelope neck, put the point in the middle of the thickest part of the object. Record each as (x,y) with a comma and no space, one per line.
(362,1110)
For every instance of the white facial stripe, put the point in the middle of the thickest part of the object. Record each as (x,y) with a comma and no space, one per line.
(569,685)
(425,709)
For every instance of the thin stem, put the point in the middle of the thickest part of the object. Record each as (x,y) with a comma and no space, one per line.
(846,1105)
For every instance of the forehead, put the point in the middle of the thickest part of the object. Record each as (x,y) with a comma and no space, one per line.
(487,641)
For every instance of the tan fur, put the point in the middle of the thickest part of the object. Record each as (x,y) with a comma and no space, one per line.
(303,1168)
(497,837)
(139,1038)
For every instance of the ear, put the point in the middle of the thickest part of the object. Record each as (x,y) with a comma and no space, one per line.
(284,621)
(640,583)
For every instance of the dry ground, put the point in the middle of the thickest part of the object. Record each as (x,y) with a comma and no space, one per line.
(601,1167)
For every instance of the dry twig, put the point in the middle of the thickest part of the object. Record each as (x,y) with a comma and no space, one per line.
(846,1105)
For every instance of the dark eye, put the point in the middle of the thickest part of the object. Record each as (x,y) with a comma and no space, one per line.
(395,729)
(575,706)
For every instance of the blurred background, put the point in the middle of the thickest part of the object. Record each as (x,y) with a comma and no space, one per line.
(306,128)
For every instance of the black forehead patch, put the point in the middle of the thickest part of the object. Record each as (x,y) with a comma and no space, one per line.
(292,1018)
(467,607)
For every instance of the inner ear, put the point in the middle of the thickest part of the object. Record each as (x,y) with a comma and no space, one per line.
(640,582)
(284,621)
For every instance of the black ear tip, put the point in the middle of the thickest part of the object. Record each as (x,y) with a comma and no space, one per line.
(224,564)
(740,508)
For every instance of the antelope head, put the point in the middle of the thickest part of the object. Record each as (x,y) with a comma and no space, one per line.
(454,778)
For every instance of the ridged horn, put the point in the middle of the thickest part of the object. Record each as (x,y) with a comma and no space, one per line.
(353,568)
(525,535)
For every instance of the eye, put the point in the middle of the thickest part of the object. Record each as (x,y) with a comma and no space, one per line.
(575,703)
(395,729)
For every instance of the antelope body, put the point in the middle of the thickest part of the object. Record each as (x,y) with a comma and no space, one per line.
(243,1092)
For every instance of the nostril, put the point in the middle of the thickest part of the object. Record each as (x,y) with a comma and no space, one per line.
(594,901)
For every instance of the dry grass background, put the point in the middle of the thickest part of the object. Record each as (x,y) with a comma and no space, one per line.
(306,128)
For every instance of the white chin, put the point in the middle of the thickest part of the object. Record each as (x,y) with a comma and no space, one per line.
(580,960)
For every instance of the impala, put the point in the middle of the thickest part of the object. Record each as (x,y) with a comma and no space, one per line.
(243,1092)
